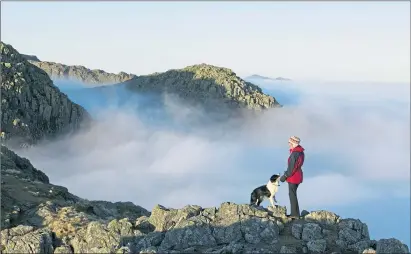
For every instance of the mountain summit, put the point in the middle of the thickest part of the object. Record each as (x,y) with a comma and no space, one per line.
(205,84)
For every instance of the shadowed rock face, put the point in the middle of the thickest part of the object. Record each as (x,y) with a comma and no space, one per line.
(31,57)
(28,198)
(38,217)
(33,108)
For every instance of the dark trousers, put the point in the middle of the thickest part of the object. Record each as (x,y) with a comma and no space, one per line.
(292,192)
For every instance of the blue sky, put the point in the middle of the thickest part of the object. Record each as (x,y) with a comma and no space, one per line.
(338,41)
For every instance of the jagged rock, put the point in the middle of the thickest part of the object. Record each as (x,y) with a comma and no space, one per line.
(110,211)
(81,73)
(297,230)
(356,225)
(31,57)
(352,231)
(305,249)
(68,224)
(187,233)
(278,211)
(317,246)
(32,107)
(288,249)
(27,197)
(26,239)
(369,251)
(362,245)
(15,166)
(25,188)
(205,85)
(152,239)
(149,250)
(63,249)
(391,245)
(311,231)
(323,217)
(258,230)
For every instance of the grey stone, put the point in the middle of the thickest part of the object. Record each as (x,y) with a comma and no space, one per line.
(256,230)
(349,236)
(323,217)
(297,230)
(63,249)
(317,246)
(361,245)
(391,245)
(288,249)
(25,239)
(311,231)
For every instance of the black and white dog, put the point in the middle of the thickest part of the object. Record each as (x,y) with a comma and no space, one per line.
(266,191)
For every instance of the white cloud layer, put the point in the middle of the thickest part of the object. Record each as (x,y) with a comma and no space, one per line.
(356,138)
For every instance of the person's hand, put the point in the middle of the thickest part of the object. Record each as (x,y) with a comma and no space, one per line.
(282,179)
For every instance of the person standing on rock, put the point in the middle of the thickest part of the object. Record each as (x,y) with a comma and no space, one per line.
(294,174)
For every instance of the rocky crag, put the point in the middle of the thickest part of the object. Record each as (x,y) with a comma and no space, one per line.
(80,73)
(33,108)
(206,85)
(39,217)
(201,84)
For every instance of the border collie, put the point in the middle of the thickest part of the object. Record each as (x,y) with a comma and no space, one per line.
(266,191)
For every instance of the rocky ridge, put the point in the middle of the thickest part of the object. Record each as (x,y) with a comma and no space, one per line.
(33,108)
(207,85)
(201,84)
(38,217)
(81,73)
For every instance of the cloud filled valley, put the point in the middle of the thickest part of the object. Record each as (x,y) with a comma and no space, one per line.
(157,150)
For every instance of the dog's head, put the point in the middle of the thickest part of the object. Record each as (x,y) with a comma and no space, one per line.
(275,178)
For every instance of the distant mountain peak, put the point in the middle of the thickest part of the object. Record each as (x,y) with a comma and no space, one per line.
(256,76)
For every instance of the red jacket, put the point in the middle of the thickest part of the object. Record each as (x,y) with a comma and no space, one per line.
(294,172)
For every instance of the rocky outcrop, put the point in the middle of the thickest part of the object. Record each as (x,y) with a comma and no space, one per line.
(31,57)
(206,85)
(202,84)
(29,199)
(81,73)
(32,107)
(38,217)
(230,228)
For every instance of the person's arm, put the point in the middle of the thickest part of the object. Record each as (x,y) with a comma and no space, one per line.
(291,164)
(290,168)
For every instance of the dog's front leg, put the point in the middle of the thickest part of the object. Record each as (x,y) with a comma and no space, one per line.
(275,200)
(272,201)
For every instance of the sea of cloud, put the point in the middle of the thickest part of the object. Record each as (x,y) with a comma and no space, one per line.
(157,150)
